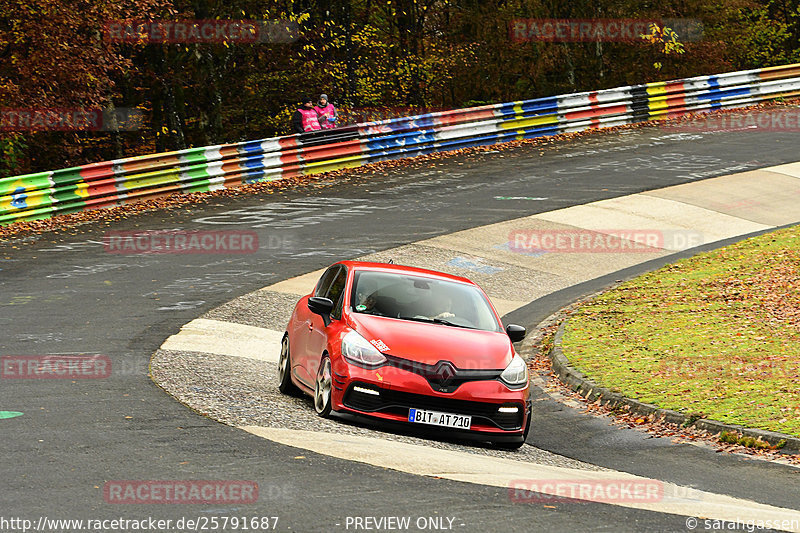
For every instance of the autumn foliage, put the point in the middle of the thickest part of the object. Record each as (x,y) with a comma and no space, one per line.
(395,53)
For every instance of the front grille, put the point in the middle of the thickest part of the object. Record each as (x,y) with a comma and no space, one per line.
(398,403)
(443,376)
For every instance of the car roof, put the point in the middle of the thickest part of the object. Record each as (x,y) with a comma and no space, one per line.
(403,269)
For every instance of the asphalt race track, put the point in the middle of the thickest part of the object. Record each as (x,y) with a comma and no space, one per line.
(68,295)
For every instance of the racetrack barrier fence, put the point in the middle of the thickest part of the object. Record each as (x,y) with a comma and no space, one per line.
(122,181)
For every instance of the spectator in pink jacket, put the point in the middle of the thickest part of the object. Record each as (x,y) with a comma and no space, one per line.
(306,117)
(326,112)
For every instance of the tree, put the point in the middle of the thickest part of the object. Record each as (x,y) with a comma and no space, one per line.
(52,54)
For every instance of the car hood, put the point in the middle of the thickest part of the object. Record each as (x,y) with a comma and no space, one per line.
(430,343)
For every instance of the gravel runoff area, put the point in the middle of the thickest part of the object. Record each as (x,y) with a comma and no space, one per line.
(239,391)
(262,308)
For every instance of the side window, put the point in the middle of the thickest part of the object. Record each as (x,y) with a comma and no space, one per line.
(336,292)
(325,281)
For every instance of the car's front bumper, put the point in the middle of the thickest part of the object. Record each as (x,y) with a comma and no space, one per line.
(393,391)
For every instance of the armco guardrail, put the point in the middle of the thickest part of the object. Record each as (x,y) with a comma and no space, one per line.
(110,183)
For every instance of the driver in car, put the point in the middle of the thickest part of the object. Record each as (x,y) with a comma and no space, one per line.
(444,306)
(367,304)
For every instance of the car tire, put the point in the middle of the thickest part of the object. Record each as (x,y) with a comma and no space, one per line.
(285,384)
(517,444)
(323,387)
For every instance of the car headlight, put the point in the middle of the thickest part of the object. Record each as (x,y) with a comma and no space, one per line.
(516,373)
(358,350)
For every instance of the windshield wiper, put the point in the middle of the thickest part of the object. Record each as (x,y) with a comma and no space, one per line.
(372,312)
(448,323)
(420,318)
(417,318)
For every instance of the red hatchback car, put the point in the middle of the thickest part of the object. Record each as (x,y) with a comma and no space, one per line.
(408,345)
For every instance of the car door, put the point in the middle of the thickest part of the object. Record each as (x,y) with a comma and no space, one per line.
(318,334)
(305,325)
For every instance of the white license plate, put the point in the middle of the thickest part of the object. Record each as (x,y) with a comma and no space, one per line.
(435,418)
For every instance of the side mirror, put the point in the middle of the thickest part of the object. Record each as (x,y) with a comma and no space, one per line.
(322,307)
(515,333)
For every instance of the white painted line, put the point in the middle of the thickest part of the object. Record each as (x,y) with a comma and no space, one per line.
(226,338)
(299,285)
(501,472)
(643,212)
(503,307)
(790,169)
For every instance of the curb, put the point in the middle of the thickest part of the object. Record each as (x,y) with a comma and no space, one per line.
(590,390)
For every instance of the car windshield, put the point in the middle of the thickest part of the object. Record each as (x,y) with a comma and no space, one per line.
(422,299)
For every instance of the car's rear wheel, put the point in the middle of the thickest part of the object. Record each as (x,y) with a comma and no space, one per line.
(322,388)
(285,384)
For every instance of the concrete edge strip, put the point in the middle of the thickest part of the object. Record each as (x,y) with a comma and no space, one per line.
(226,338)
(590,390)
(526,480)
(787,169)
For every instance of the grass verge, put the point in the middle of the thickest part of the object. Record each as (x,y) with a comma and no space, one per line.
(716,334)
